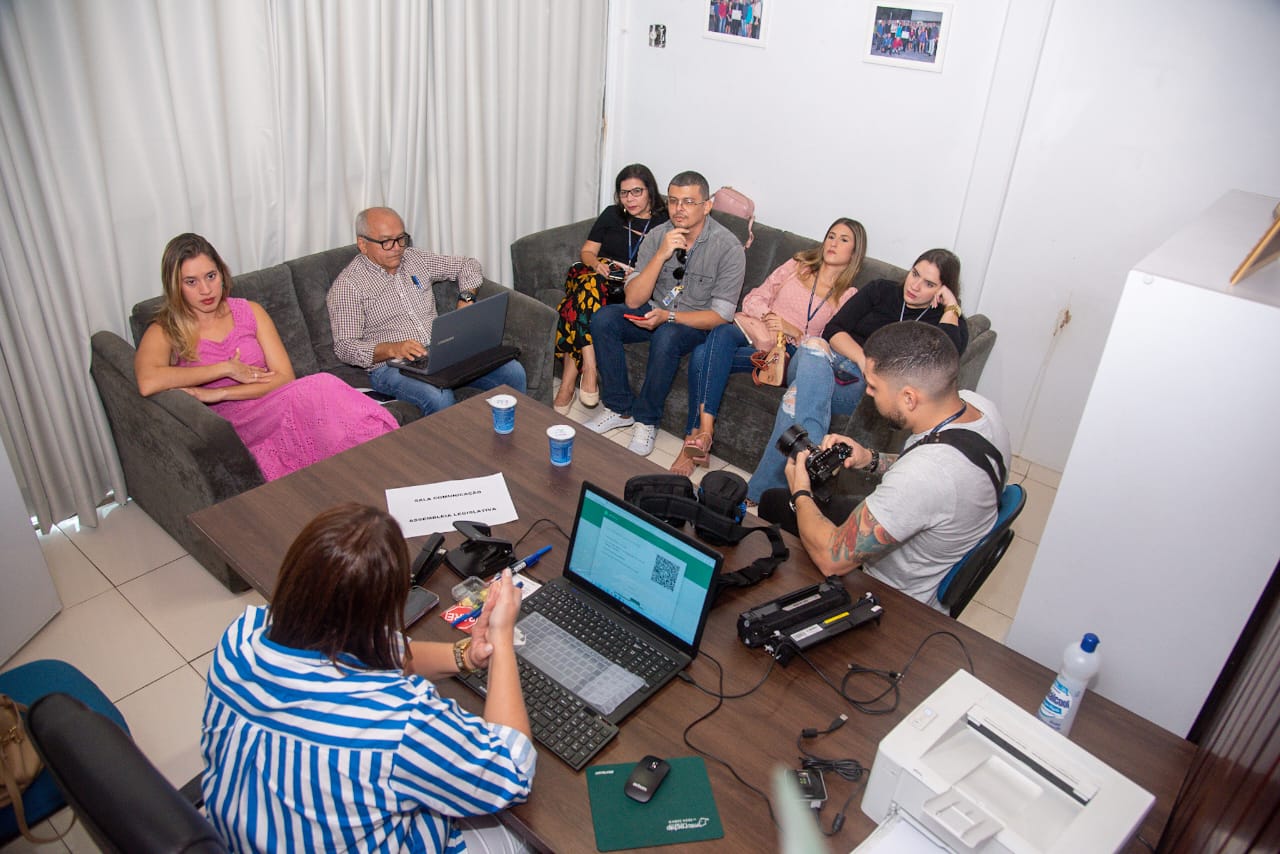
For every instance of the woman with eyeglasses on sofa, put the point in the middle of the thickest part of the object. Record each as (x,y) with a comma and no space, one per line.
(226,353)
(322,729)
(797,300)
(608,257)
(828,370)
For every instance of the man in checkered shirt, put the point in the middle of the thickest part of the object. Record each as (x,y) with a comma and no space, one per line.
(382,307)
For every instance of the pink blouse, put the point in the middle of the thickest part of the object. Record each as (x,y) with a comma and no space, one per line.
(786,295)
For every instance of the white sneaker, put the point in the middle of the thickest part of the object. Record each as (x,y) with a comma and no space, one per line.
(608,420)
(642,439)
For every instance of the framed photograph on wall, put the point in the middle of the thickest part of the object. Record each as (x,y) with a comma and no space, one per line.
(740,21)
(909,36)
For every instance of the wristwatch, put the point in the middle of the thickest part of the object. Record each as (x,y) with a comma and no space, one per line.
(800,493)
(460,656)
(671,317)
(467,296)
(870,468)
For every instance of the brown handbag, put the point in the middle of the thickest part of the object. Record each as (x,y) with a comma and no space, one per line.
(770,366)
(19,764)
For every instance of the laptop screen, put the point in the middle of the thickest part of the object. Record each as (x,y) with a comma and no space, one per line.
(643,565)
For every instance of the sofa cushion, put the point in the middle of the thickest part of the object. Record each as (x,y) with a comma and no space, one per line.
(313,275)
(272,288)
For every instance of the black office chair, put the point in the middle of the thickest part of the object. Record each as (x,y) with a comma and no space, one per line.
(125,803)
(965,578)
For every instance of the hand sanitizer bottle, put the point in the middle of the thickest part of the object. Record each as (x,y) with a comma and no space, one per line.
(1080,663)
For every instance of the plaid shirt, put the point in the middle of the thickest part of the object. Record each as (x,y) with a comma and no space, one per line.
(369,306)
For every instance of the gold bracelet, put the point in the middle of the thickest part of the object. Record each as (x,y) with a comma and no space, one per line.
(460,656)
(955,306)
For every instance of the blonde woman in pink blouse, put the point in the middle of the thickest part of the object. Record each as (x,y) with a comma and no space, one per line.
(797,299)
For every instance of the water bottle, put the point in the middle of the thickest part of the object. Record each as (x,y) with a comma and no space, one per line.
(1080,663)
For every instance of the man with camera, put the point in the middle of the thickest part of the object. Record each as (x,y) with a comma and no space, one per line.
(934,501)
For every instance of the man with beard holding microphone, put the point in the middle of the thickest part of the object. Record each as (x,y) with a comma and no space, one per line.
(688,278)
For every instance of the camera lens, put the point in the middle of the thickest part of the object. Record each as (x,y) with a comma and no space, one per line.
(794,440)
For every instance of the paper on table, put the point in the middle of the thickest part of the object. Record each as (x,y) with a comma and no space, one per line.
(433,507)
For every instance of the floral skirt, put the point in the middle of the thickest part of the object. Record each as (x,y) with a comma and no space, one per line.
(585,291)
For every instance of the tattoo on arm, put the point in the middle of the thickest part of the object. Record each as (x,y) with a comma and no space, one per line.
(860,538)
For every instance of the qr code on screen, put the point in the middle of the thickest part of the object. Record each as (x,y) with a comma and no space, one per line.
(665,572)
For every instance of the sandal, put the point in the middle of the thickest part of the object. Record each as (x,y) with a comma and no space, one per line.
(698,447)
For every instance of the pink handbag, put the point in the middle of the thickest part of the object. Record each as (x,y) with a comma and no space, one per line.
(730,201)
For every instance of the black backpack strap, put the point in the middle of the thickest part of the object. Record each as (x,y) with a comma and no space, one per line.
(760,568)
(976,449)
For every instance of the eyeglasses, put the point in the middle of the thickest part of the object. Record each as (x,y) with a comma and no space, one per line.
(635,193)
(685,203)
(681,256)
(390,243)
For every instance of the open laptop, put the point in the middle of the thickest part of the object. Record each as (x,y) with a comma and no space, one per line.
(465,344)
(626,616)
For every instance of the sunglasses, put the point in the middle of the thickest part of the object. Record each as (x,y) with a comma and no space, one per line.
(681,256)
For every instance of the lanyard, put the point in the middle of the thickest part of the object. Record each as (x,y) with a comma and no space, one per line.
(812,312)
(964,407)
(633,250)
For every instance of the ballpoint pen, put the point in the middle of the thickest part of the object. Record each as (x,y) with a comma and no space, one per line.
(518,566)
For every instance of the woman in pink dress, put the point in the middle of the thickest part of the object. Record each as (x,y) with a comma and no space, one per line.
(227,353)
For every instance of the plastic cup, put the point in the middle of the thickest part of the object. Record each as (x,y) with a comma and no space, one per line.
(561,438)
(503,407)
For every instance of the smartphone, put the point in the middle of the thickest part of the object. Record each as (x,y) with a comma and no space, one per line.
(420,601)
(617,272)
(634,316)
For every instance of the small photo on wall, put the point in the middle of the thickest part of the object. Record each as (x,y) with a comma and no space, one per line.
(742,22)
(909,37)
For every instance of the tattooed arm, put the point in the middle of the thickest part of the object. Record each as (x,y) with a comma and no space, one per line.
(837,549)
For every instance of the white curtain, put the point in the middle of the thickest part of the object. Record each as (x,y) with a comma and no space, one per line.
(263,126)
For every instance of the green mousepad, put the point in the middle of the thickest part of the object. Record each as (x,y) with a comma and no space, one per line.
(682,810)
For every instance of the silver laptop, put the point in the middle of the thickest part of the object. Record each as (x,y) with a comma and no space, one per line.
(465,344)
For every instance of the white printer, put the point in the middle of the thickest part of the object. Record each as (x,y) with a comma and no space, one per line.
(969,771)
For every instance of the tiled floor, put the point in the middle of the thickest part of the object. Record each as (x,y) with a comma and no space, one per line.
(140,617)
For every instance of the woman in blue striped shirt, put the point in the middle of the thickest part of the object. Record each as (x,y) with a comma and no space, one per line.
(322,731)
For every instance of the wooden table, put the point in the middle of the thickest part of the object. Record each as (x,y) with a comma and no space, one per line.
(755,733)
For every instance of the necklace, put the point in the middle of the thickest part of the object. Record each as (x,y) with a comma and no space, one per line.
(902,314)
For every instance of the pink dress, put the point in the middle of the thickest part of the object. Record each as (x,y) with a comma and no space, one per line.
(300,423)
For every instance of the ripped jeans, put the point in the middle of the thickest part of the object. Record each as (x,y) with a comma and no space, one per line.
(812,398)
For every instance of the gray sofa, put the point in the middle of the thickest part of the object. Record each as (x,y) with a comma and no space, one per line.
(179,457)
(540,261)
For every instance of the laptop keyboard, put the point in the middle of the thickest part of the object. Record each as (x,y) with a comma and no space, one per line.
(613,641)
(559,721)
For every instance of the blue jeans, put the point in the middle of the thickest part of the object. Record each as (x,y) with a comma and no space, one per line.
(668,344)
(812,398)
(726,351)
(387,379)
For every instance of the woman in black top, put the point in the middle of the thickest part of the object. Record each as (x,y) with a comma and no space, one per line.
(608,256)
(828,370)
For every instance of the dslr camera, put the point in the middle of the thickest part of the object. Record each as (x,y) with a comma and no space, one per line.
(821,465)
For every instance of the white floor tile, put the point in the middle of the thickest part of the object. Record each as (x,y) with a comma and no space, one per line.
(54,824)
(1047,476)
(187,605)
(77,840)
(991,623)
(662,458)
(1003,588)
(201,665)
(74,575)
(1019,465)
(164,718)
(109,641)
(1030,523)
(125,544)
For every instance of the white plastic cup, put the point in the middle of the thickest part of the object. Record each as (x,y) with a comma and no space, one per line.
(503,407)
(561,438)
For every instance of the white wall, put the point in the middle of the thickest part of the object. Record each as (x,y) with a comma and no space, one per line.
(1060,143)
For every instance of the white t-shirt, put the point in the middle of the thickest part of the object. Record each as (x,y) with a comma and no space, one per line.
(937,505)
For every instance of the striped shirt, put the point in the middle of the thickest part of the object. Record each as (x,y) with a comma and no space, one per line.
(369,306)
(303,756)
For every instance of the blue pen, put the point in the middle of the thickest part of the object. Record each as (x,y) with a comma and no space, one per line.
(416,283)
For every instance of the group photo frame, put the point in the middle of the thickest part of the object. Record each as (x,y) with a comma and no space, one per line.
(912,37)
(738,22)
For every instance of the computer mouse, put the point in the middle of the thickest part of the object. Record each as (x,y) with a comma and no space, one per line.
(645,778)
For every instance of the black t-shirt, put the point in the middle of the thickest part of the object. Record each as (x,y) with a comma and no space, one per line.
(880,303)
(620,235)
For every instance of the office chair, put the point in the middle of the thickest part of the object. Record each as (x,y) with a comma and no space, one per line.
(963,580)
(27,683)
(125,803)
